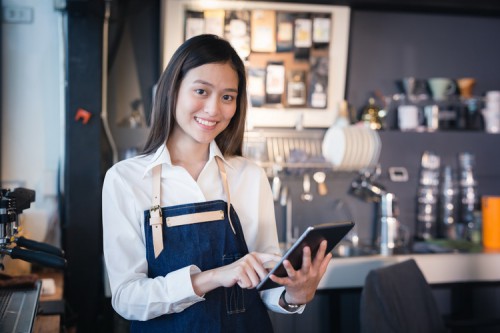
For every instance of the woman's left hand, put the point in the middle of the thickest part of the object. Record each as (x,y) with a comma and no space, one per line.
(301,284)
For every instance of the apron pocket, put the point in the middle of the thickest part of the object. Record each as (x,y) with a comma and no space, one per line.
(235,295)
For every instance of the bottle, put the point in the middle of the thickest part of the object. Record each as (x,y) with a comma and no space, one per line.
(468,194)
(370,115)
(448,204)
(474,119)
(342,119)
(318,96)
(427,196)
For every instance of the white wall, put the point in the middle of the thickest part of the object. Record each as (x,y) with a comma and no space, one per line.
(33,103)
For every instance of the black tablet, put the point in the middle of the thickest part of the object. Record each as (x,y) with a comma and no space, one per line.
(312,237)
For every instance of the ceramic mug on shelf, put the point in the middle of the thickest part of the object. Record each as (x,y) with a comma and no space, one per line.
(491,120)
(441,88)
(408,117)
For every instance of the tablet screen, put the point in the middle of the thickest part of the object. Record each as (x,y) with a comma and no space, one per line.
(312,237)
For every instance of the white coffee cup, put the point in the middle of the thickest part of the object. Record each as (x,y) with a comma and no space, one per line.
(408,117)
(491,120)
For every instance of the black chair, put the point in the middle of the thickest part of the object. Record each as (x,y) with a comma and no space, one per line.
(398,299)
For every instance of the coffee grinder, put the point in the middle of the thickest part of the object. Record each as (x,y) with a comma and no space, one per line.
(385,232)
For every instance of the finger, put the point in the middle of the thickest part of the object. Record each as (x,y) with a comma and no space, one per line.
(281,281)
(263,257)
(290,271)
(306,259)
(320,255)
(256,270)
(253,278)
(247,276)
(269,265)
(324,264)
(244,282)
(267,261)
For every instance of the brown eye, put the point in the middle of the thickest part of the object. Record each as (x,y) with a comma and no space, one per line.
(228,98)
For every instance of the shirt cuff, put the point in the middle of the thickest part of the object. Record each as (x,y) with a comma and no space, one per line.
(271,298)
(181,289)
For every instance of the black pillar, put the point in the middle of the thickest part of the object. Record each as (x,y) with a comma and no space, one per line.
(81,220)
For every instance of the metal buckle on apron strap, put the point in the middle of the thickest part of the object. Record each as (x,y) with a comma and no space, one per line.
(155,221)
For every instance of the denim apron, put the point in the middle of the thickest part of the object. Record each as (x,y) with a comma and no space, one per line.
(208,235)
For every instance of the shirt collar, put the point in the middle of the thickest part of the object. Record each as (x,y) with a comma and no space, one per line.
(162,156)
(215,151)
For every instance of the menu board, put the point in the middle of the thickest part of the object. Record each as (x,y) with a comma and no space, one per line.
(295,55)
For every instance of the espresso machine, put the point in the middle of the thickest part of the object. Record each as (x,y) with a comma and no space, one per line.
(12,204)
(386,229)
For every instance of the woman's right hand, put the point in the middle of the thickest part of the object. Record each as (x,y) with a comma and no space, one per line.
(246,272)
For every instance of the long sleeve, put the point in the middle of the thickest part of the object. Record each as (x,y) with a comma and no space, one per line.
(134,295)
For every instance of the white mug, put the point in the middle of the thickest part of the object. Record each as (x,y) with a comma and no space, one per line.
(408,117)
(491,120)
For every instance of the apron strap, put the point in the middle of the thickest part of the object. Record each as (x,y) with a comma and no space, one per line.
(223,176)
(155,220)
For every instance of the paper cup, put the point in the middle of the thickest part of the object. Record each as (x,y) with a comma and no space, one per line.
(491,221)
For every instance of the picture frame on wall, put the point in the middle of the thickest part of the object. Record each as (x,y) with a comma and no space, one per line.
(330,36)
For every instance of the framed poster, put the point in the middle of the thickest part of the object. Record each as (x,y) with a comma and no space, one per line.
(307,38)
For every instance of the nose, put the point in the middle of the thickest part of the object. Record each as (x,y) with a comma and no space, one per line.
(212,106)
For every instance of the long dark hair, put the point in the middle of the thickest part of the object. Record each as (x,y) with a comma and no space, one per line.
(197,51)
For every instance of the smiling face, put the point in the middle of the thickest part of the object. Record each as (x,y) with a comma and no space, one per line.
(205,105)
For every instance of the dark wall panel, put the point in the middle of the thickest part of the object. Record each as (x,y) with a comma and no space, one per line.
(82,238)
(385,46)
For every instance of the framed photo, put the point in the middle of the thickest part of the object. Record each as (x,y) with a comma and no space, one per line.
(325,29)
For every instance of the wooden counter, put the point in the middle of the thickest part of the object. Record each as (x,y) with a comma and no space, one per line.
(50,323)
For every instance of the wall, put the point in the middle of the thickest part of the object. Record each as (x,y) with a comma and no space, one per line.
(32,106)
(386,46)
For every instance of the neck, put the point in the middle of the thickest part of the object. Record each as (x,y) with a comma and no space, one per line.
(191,157)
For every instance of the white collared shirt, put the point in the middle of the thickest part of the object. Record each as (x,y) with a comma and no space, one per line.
(127,193)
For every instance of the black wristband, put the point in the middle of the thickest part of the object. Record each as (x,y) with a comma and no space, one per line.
(288,306)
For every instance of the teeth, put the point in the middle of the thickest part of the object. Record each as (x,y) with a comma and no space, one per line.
(205,122)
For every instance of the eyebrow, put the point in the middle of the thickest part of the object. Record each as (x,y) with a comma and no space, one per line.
(211,85)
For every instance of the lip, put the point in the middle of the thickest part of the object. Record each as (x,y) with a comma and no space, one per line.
(205,122)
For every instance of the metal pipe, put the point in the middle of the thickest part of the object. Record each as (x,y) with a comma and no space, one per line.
(104,81)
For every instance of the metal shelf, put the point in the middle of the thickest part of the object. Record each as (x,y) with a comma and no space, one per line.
(286,149)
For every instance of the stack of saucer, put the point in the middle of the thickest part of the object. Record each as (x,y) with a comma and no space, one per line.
(351,148)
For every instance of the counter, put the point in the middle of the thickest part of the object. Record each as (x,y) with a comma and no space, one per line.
(437,268)
(50,323)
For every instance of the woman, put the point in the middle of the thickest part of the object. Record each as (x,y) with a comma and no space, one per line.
(189,225)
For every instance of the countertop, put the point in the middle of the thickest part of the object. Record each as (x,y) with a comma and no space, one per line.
(50,323)
(350,272)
